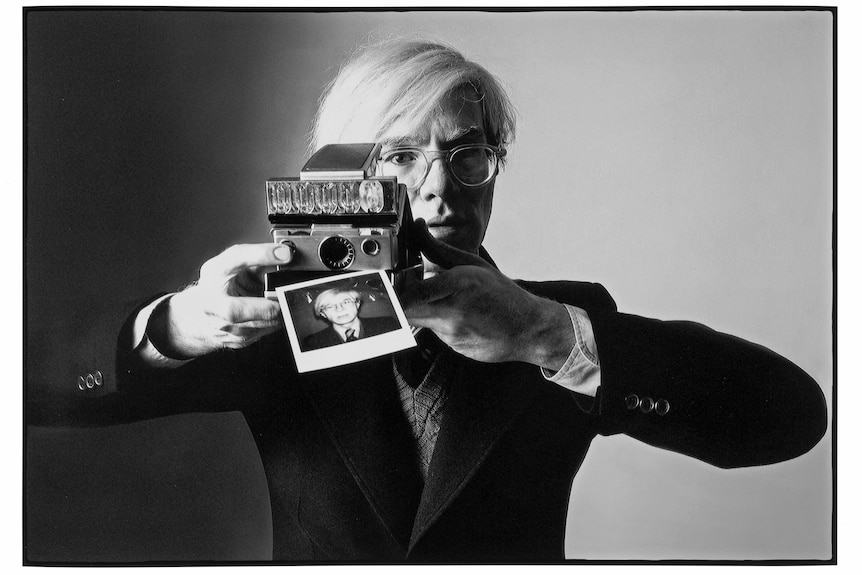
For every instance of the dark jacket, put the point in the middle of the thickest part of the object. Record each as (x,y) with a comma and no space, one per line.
(371,326)
(341,464)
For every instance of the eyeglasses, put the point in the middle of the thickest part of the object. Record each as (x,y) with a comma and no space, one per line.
(472,165)
(338,305)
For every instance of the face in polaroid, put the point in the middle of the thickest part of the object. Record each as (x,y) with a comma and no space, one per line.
(343,319)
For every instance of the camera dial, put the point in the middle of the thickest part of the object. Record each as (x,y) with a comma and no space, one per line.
(370,247)
(336,252)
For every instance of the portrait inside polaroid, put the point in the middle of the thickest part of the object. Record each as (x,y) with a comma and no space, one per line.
(429,286)
(343,319)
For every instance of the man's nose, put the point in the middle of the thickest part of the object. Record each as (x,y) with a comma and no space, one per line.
(438,183)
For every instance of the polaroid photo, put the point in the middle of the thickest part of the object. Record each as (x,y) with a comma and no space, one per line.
(343,319)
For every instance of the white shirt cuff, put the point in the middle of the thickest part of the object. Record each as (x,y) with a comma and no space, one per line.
(144,349)
(581,372)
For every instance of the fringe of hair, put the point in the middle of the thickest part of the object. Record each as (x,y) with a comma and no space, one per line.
(384,82)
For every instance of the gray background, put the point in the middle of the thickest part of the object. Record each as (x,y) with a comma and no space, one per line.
(683,159)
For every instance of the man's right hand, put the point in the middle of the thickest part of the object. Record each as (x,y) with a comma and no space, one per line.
(224,309)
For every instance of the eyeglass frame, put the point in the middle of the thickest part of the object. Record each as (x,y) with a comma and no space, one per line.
(339,305)
(498,152)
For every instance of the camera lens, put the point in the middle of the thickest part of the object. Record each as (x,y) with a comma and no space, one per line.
(336,252)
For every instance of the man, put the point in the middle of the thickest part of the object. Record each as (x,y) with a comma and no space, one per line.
(339,307)
(464,449)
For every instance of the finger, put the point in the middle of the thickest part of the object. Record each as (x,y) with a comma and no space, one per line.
(251,329)
(247,283)
(242,256)
(238,310)
(428,291)
(248,327)
(441,253)
(239,341)
(436,325)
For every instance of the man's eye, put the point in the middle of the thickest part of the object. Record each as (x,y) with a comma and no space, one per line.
(401,158)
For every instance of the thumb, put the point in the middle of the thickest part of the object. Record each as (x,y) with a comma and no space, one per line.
(440,253)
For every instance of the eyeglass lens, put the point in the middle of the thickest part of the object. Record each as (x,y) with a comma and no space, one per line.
(470,166)
(339,305)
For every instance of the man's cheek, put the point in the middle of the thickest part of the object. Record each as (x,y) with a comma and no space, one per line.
(420,210)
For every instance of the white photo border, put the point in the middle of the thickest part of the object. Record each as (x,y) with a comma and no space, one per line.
(349,352)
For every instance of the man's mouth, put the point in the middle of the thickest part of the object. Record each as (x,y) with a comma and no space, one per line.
(442,232)
(444,225)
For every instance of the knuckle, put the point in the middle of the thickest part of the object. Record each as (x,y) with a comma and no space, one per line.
(470,279)
(231,329)
(231,250)
(221,264)
(207,269)
(235,251)
(232,312)
(273,313)
(214,267)
(222,310)
(457,318)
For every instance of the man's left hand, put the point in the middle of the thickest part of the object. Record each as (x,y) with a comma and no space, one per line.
(482,314)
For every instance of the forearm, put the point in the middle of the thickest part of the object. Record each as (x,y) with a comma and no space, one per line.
(726,401)
(685,387)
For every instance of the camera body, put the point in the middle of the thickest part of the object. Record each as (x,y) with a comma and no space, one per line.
(338,217)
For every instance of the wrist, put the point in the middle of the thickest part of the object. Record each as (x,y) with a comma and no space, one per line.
(548,337)
(163,333)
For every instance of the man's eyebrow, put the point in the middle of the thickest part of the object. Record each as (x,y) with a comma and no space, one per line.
(400,141)
(464,133)
(454,137)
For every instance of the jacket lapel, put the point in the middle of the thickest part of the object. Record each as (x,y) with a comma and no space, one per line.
(483,402)
(361,412)
(359,407)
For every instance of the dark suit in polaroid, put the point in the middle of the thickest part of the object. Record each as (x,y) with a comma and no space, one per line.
(368,327)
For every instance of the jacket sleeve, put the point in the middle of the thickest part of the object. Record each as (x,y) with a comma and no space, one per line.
(227,380)
(685,387)
(72,360)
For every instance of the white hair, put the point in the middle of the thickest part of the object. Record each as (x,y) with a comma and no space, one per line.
(326,295)
(384,82)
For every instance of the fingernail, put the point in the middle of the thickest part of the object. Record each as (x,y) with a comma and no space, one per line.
(284,253)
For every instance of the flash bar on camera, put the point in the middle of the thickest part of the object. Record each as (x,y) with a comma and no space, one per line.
(342,162)
(371,200)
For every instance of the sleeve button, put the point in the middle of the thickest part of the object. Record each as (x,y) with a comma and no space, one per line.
(662,406)
(647,404)
(91,381)
(632,401)
(81,383)
(97,377)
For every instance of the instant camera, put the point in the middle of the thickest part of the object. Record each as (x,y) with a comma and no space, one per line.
(338,217)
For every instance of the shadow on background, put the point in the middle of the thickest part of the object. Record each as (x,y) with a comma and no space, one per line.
(187,488)
(131,119)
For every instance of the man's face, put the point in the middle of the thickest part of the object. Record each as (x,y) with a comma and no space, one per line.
(340,308)
(455,215)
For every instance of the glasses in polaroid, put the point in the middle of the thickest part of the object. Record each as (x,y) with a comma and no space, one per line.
(472,165)
(339,305)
